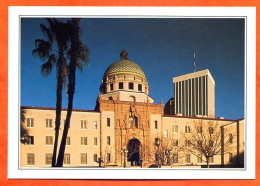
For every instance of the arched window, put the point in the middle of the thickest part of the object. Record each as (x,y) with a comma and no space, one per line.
(133,122)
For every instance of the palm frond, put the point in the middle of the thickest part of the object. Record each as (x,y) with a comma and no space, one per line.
(46,68)
(42,49)
(53,23)
(47,32)
(53,59)
(79,67)
(83,57)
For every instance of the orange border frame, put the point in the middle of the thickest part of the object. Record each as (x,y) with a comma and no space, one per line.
(4,87)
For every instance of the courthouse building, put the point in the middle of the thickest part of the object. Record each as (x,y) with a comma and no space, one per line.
(127,129)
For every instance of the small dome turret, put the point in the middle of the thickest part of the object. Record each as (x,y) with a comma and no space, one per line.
(124,66)
(125,80)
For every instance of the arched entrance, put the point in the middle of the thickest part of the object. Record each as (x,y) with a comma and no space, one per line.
(133,155)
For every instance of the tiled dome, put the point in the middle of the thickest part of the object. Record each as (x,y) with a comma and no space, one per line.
(124,66)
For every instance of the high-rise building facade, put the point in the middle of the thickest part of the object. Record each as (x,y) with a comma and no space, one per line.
(194,94)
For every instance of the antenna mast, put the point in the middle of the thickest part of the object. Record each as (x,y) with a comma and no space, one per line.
(194,64)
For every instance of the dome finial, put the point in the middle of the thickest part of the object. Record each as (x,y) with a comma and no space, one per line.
(124,54)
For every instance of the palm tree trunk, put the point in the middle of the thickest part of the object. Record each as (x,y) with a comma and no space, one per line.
(75,46)
(58,110)
(207,162)
(71,91)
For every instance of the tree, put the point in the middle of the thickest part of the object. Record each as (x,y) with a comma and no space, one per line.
(56,36)
(24,134)
(167,150)
(205,139)
(107,156)
(78,55)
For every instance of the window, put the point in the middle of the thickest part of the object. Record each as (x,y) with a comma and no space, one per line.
(157,141)
(108,157)
(30,140)
(131,86)
(187,129)
(30,122)
(83,158)
(211,130)
(155,124)
(187,143)
(165,133)
(30,159)
(48,159)
(139,87)
(49,140)
(175,128)
(95,157)
(95,140)
(108,140)
(120,85)
(133,122)
(230,157)
(230,138)
(175,158)
(199,130)
(175,143)
(211,159)
(200,159)
(111,86)
(187,158)
(68,141)
(83,124)
(48,123)
(84,141)
(66,160)
(108,122)
(95,125)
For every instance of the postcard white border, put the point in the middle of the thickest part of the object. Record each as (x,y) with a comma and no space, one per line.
(13,92)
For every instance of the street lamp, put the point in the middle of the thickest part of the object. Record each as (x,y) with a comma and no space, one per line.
(158,152)
(99,162)
(125,151)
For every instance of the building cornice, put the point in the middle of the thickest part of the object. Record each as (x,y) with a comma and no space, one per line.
(131,103)
(202,118)
(51,108)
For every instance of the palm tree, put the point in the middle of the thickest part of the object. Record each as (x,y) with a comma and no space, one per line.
(56,35)
(79,56)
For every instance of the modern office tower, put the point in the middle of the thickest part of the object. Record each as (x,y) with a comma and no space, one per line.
(194,94)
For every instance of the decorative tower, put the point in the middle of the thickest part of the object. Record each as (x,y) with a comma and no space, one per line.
(125,103)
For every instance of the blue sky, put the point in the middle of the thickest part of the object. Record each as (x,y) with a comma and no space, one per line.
(162,47)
